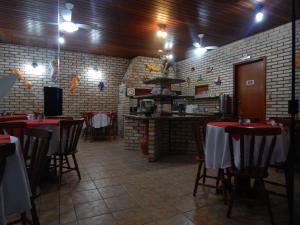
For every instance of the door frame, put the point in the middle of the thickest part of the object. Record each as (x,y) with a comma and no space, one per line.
(235,80)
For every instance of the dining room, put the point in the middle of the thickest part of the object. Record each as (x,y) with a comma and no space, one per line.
(149,112)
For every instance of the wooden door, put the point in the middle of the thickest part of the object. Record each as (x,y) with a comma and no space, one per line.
(250,89)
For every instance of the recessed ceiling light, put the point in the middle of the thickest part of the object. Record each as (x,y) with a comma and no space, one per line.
(61,40)
(259,13)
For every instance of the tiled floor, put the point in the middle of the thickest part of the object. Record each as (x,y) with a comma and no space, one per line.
(121,187)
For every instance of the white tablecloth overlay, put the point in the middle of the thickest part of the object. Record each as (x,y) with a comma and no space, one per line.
(217,152)
(100,120)
(15,189)
(54,142)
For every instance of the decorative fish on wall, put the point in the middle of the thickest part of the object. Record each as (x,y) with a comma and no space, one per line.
(152,68)
(20,73)
(74,83)
(298,59)
(53,68)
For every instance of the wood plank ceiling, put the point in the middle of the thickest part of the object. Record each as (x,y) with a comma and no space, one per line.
(127,28)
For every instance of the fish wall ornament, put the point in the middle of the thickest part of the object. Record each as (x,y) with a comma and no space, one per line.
(27,84)
(74,83)
(152,68)
(298,59)
(101,86)
(53,67)
(20,73)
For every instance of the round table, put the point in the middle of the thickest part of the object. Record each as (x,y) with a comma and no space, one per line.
(15,189)
(51,125)
(217,153)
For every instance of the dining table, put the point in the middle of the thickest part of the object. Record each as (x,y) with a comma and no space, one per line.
(15,190)
(51,125)
(217,152)
(12,117)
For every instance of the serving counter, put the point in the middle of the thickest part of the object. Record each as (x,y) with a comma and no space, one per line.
(158,136)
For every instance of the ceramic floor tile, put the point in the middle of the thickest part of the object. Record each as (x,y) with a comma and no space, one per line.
(106,219)
(91,209)
(85,196)
(121,187)
(112,191)
(120,202)
(133,216)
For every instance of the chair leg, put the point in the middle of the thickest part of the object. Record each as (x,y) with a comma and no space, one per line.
(204,176)
(67,161)
(35,218)
(60,168)
(232,196)
(76,166)
(266,200)
(221,176)
(197,178)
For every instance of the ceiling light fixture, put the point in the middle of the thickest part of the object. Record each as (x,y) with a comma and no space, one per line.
(259,13)
(61,40)
(168,45)
(69,27)
(161,33)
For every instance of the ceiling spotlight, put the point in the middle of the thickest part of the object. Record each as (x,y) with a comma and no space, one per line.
(259,13)
(169,56)
(161,33)
(168,45)
(68,27)
(200,51)
(61,40)
(160,50)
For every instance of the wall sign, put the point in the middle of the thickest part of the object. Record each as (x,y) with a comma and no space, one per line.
(250,83)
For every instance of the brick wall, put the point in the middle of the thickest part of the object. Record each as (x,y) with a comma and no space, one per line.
(134,77)
(275,44)
(87,95)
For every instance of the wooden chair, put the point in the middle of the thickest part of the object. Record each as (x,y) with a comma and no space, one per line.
(249,168)
(279,166)
(14,129)
(112,127)
(88,131)
(70,131)
(35,152)
(199,130)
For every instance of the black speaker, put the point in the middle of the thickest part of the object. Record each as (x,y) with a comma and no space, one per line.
(53,101)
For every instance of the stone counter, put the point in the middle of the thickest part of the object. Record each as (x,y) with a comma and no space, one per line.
(166,134)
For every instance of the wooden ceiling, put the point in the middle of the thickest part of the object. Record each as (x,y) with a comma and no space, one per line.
(127,28)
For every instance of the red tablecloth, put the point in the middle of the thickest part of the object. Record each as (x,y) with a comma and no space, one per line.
(12,117)
(34,123)
(4,139)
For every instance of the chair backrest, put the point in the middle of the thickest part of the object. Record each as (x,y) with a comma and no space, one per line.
(69,135)
(5,151)
(35,154)
(14,129)
(88,118)
(257,166)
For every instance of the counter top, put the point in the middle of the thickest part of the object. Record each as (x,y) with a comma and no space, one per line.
(171,117)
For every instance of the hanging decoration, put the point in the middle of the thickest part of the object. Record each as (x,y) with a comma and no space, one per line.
(218,81)
(209,69)
(27,84)
(188,81)
(74,83)
(101,86)
(53,68)
(20,73)
(298,59)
